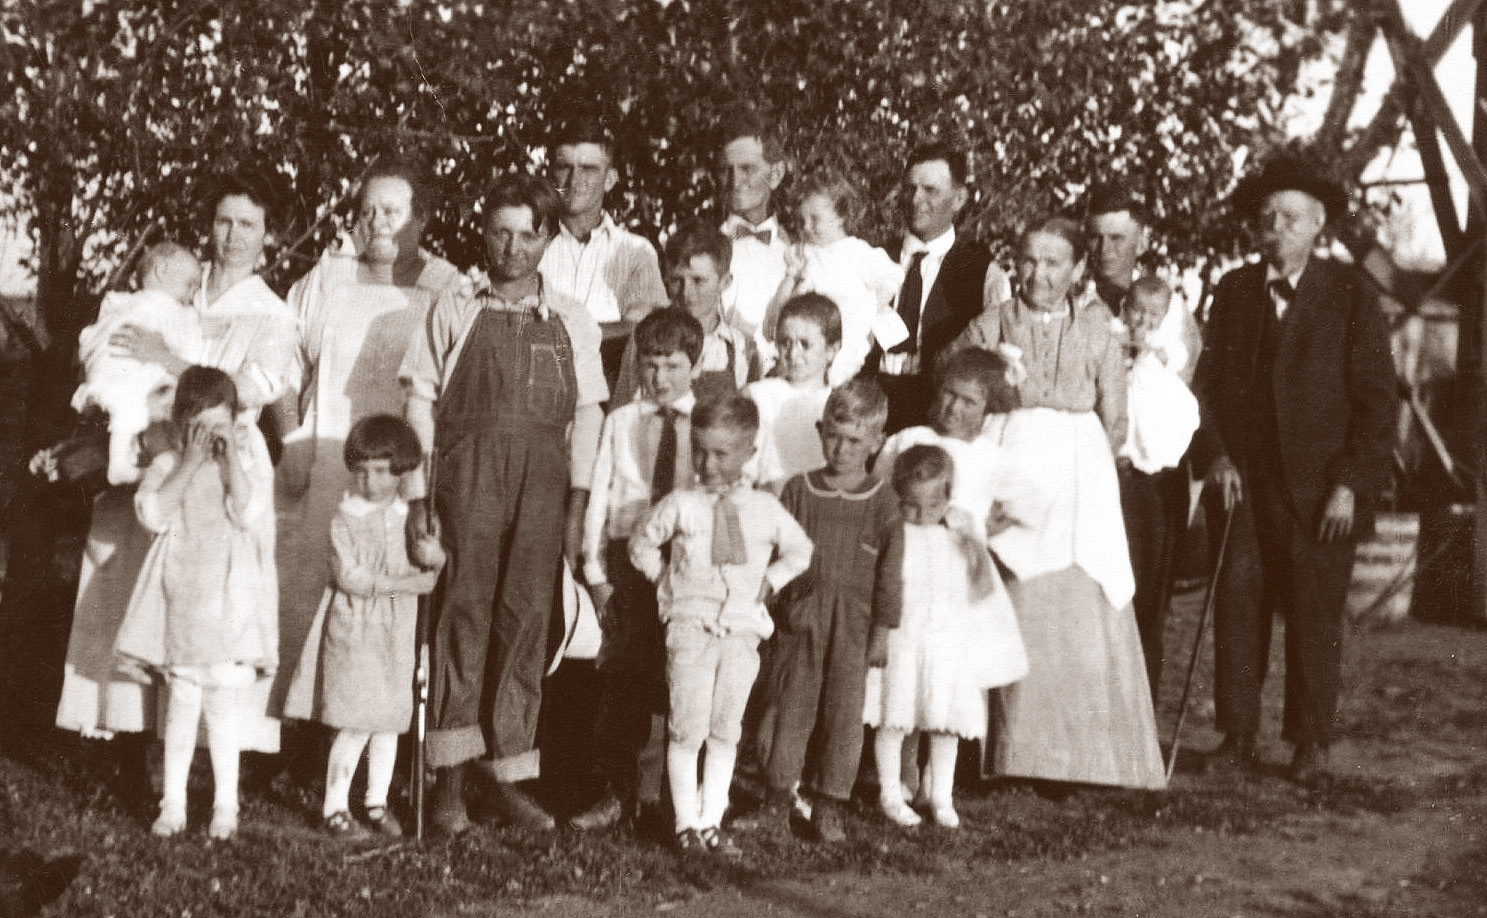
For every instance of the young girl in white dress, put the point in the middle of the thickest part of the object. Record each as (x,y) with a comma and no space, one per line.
(807,336)
(956,635)
(858,277)
(356,671)
(204,615)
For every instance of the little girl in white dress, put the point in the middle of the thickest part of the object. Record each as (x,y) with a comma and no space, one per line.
(956,636)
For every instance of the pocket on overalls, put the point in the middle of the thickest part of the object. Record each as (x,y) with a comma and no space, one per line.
(550,385)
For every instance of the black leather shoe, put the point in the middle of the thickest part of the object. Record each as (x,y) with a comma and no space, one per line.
(1238,753)
(1309,762)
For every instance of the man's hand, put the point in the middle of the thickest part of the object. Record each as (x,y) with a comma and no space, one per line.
(877,647)
(578,505)
(1337,518)
(1225,477)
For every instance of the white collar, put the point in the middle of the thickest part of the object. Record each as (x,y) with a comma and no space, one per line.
(356,505)
(1273,273)
(684,405)
(936,248)
(606,227)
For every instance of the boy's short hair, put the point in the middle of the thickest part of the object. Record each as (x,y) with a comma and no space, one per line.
(161,254)
(670,331)
(518,189)
(920,463)
(987,369)
(733,411)
(1151,286)
(408,171)
(700,239)
(200,388)
(383,436)
(816,308)
(860,400)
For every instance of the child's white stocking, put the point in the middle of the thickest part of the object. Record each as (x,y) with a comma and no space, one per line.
(717,775)
(681,773)
(941,777)
(888,748)
(224,741)
(345,755)
(182,715)
(382,754)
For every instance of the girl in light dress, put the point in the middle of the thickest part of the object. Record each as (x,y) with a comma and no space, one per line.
(956,635)
(858,277)
(356,671)
(808,336)
(203,617)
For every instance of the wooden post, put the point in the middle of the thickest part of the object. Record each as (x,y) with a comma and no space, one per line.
(1478,303)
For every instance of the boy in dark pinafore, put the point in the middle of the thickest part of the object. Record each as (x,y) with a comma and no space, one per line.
(495,381)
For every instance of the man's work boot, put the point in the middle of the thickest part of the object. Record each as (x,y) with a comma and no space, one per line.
(449,816)
(1238,754)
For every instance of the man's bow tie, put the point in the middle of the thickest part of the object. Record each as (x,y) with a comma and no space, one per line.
(766,235)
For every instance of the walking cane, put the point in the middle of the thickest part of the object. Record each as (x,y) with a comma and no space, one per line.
(1209,598)
(421,678)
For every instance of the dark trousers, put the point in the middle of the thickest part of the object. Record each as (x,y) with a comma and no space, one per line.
(822,675)
(500,498)
(1276,565)
(908,399)
(1155,508)
(630,732)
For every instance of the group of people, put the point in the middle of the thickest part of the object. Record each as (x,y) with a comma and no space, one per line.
(826,493)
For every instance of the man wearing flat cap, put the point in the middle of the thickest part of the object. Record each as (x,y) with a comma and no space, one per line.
(1296,389)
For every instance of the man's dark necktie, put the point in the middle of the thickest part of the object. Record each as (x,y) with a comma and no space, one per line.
(1281,292)
(663,475)
(909,307)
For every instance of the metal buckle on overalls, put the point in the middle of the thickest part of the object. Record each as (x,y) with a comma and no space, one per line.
(541,311)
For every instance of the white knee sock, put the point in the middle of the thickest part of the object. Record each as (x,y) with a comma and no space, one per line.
(717,776)
(182,715)
(345,755)
(681,773)
(382,754)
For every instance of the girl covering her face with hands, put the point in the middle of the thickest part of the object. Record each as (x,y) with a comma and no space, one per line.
(203,618)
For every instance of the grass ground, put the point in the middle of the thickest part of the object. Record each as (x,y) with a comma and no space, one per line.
(1398,831)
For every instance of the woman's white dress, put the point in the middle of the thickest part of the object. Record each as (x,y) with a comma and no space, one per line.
(353,336)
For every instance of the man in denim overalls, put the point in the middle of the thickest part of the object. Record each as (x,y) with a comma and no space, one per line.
(504,388)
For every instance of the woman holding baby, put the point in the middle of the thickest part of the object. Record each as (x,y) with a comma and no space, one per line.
(247,331)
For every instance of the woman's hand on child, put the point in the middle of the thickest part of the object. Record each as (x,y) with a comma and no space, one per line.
(877,647)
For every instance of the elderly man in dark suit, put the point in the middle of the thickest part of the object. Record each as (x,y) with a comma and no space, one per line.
(944,280)
(1296,388)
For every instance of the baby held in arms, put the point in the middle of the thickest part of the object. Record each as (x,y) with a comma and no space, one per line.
(133,392)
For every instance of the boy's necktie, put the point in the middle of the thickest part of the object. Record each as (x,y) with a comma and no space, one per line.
(663,474)
(728,538)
